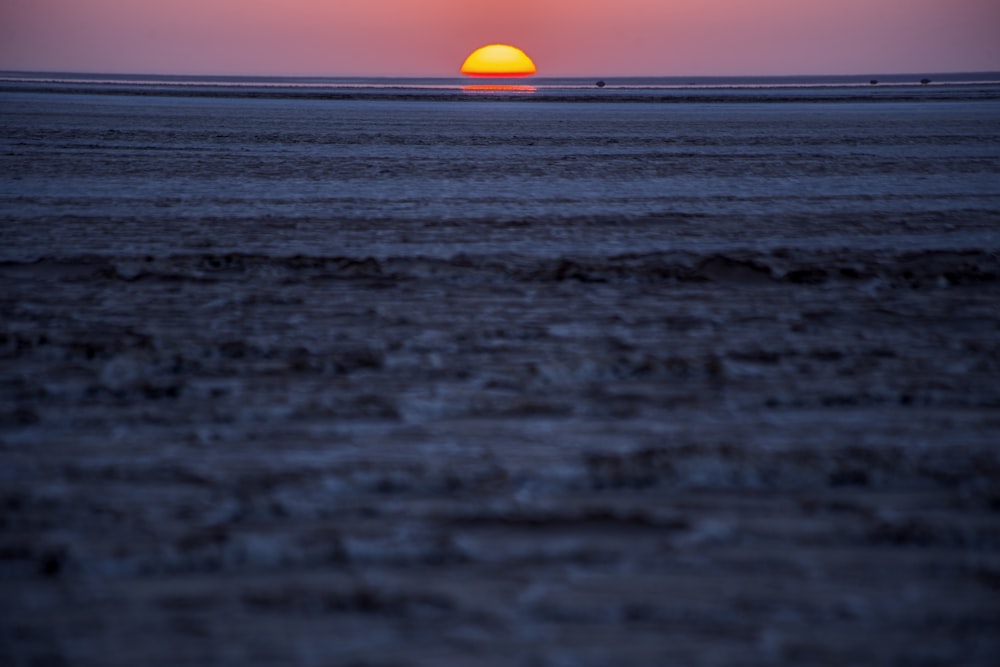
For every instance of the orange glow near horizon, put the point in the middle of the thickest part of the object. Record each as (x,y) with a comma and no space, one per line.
(501,60)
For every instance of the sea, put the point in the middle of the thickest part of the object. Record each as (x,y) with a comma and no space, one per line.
(632,371)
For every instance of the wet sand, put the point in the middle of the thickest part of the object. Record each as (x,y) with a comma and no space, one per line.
(445,463)
(710,439)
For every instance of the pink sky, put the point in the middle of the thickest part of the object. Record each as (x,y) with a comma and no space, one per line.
(564,37)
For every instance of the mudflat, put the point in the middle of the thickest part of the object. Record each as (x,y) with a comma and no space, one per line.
(382,382)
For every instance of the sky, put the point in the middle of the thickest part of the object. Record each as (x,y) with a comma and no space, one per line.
(563,37)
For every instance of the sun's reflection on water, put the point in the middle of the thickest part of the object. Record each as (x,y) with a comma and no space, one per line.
(494,88)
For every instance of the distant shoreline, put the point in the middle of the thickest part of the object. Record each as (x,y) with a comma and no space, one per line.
(863,80)
(876,88)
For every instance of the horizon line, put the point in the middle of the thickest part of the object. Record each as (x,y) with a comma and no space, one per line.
(460,76)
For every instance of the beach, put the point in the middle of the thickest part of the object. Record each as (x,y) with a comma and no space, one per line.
(389,376)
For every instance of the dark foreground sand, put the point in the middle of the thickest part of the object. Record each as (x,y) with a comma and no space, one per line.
(751,458)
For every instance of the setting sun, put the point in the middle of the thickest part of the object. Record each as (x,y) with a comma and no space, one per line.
(498,60)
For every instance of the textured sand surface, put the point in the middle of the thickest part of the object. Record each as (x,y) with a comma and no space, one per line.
(708,432)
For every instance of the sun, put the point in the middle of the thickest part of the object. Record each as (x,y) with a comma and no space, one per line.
(498,60)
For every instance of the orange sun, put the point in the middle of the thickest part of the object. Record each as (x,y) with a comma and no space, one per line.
(498,60)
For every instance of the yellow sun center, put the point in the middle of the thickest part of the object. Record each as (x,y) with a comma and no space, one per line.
(498,60)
